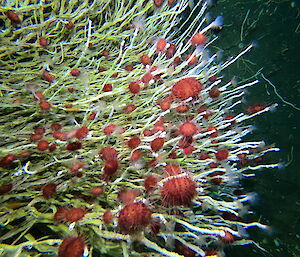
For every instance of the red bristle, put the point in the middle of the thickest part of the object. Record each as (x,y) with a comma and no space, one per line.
(161,45)
(214,93)
(59,135)
(36,137)
(136,155)
(7,160)
(44,42)
(109,129)
(172,170)
(55,126)
(107,88)
(134,217)
(178,191)
(129,108)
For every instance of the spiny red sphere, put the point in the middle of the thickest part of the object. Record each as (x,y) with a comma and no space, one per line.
(157,144)
(187,87)
(134,217)
(178,190)
(188,129)
(71,247)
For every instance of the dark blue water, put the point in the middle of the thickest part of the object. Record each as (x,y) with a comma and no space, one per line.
(275,25)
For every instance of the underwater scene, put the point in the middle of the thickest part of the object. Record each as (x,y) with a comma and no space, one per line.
(149,128)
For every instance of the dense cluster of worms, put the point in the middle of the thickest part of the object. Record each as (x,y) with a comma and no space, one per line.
(118,134)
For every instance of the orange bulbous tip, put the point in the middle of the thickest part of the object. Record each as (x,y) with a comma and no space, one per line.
(188,129)
(198,39)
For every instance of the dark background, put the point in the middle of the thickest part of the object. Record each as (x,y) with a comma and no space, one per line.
(275,26)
